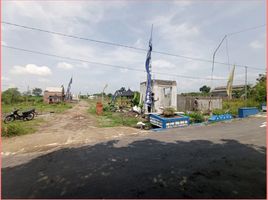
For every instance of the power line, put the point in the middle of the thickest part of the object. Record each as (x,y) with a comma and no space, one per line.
(104,64)
(247,29)
(131,47)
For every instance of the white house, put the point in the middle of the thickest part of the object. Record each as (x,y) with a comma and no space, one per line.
(165,94)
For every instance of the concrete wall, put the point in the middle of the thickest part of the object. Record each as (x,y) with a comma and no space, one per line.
(166,95)
(186,103)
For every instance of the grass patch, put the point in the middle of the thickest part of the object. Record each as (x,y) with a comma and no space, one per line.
(17,128)
(40,107)
(196,117)
(20,127)
(112,119)
(231,106)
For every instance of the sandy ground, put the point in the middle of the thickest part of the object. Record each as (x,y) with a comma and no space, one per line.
(225,160)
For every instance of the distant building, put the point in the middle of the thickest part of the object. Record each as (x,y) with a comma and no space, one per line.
(54,94)
(165,94)
(91,97)
(221,91)
(75,97)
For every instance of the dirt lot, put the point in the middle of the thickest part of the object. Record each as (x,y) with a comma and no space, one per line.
(225,160)
(74,126)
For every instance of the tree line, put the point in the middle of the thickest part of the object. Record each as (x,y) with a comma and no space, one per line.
(257,92)
(13,95)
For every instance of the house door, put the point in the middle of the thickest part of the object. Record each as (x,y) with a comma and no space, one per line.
(167,96)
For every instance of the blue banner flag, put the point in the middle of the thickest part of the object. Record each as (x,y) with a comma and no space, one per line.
(148,96)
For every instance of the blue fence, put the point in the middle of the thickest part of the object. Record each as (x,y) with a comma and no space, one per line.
(162,122)
(247,111)
(216,118)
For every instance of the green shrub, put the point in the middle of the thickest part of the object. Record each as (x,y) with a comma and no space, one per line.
(218,112)
(232,106)
(12,130)
(136,99)
(196,117)
(20,128)
(169,112)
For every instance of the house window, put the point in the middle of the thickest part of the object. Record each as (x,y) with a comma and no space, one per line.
(167,91)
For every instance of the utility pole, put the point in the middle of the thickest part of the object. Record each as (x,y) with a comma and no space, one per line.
(27,93)
(106,85)
(212,70)
(246,83)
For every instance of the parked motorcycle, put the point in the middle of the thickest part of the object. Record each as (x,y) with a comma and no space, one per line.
(33,111)
(27,115)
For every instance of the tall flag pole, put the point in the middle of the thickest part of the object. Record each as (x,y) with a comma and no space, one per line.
(229,87)
(148,67)
(68,92)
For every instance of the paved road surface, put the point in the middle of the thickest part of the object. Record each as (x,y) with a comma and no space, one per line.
(225,160)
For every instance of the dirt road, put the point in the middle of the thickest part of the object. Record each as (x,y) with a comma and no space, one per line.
(74,126)
(225,160)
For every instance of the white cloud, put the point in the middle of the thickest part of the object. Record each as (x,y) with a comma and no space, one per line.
(162,64)
(124,70)
(176,30)
(3,42)
(31,69)
(64,65)
(169,29)
(182,3)
(43,80)
(139,43)
(256,44)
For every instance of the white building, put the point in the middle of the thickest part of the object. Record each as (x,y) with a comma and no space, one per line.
(75,97)
(165,94)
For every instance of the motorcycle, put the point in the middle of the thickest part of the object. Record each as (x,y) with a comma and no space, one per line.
(27,115)
(33,111)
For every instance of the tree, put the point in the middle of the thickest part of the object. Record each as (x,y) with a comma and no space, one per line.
(258,92)
(37,92)
(136,99)
(204,89)
(11,95)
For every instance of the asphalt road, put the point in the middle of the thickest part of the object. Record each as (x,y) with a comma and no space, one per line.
(225,160)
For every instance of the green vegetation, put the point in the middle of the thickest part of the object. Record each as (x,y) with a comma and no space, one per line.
(204,89)
(136,99)
(17,128)
(112,119)
(231,106)
(258,92)
(37,92)
(40,107)
(196,117)
(13,99)
(11,95)
(219,111)
(169,112)
(256,96)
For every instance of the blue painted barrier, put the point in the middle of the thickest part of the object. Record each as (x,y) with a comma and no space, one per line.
(247,111)
(169,122)
(216,118)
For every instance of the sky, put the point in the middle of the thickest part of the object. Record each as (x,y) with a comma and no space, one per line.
(187,28)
